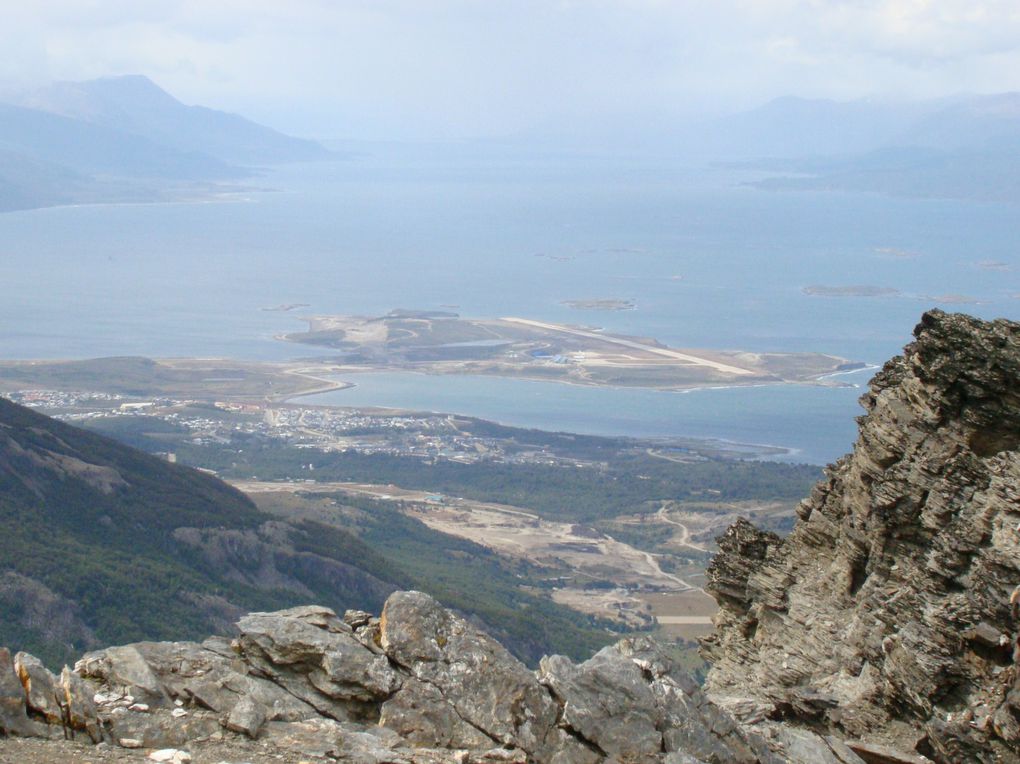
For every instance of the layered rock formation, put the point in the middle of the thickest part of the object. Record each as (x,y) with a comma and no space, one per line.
(417,686)
(883,629)
(886,614)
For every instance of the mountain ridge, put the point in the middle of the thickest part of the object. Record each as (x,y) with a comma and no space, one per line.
(127,140)
(136,105)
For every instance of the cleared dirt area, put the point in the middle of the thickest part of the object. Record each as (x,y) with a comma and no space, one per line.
(687,615)
(609,578)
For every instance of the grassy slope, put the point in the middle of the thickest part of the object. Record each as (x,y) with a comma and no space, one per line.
(115,561)
(114,555)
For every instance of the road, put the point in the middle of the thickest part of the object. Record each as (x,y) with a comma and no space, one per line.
(664,352)
(685,533)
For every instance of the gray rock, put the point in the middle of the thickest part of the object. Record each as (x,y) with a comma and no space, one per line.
(40,687)
(607,702)
(247,716)
(891,594)
(79,708)
(314,656)
(489,688)
(421,715)
(161,729)
(13,714)
(125,670)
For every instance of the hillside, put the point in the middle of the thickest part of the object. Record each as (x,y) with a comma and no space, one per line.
(104,544)
(137,106)
(124,139)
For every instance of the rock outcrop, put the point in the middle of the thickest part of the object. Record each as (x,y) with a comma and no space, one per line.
(889,614)
(419,685)
(883,630)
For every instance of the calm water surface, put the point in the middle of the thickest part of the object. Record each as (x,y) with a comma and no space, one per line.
(709,262)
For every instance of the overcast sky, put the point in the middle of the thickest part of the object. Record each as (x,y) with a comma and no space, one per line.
(490,68)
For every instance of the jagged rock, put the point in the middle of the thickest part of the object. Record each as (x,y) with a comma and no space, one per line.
(40,687)
(313,655)
(13,713)
(486,686)
(883,614)
(433,690)
(125,670)
(420,714)
(607,701)
(78,706)
(246,716)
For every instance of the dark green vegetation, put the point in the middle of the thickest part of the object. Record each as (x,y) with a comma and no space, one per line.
(103,544)
(146,378)
(626,485)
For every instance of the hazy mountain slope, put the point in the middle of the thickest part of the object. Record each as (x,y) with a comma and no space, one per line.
(136,105)
(966,148)
(102,542)
(26,182)
(985,123)
(792,127)
(97,149)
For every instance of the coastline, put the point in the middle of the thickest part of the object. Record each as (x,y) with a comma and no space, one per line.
(717,420)
(684,389)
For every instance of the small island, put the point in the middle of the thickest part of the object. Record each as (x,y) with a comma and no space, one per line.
(286,307)
(859,290)
(604,304)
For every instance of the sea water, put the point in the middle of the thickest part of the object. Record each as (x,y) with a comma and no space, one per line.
(709,261)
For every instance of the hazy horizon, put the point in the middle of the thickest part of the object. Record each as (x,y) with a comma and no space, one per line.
(528,70)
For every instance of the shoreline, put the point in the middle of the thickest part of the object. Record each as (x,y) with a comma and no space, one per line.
(680,389)
(738,448)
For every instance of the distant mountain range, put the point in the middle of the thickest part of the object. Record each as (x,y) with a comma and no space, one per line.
(964,147)
(137,106)
(126,139)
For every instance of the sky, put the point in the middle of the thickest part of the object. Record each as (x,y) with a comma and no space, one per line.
(491,69)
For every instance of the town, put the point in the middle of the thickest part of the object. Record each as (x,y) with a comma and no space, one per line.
(428,436)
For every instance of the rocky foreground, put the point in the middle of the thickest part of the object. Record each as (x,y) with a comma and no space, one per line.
(890,612)
(883,629)
(419,684)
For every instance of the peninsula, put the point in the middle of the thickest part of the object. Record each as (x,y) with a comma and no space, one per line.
(445,343)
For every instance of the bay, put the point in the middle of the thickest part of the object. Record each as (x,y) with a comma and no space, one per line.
(708,261)
(798,418)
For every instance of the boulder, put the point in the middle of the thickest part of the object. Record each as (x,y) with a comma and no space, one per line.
(13,713)
(487,687)
(42,696)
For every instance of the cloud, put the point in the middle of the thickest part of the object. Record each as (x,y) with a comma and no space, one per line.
(471,67)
